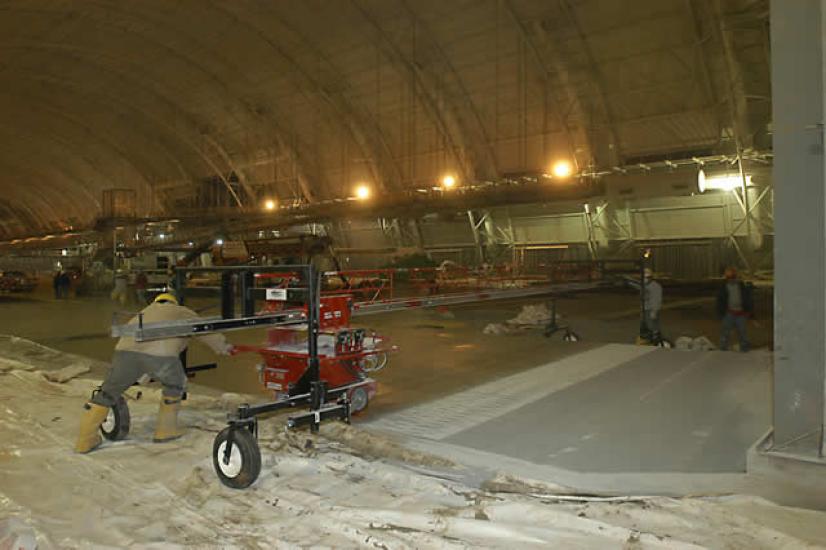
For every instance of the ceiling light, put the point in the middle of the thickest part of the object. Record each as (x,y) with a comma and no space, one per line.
(725,182)
(219,242)
(362,192)
(562,169)
(269,204)
(448,181)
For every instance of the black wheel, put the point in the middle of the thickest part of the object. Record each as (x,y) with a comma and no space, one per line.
(359,399)
(665,343)
(244,463)
(116,425)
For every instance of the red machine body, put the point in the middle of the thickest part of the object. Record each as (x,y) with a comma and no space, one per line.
(346,355)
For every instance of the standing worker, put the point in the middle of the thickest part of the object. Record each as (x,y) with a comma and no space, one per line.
(141,282)
(65,283)
(159,359)
(119,292)
(735,305)
(57,284)
(652,304)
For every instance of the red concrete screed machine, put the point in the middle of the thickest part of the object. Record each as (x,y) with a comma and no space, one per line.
(312,356)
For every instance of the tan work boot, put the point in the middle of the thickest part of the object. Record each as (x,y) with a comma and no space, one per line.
(167,426)
(89,437)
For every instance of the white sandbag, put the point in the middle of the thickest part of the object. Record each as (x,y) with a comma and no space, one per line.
(684,343)
(701,343)
(496,328)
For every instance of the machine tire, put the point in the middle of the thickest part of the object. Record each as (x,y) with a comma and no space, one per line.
(245,459)
(117,423)
(665,343)
(359,399)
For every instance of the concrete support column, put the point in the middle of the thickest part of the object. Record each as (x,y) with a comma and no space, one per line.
(798,74)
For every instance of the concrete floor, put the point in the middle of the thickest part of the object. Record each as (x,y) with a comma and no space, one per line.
(625,409)
(617,408)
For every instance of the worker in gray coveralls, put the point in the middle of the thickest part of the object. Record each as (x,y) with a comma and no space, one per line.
(652,303)
(159,359)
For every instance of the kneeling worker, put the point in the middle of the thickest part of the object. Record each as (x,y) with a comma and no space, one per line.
(159,359)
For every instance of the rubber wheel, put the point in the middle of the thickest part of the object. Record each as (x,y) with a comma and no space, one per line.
(117,423)
(244,462)
(359,399)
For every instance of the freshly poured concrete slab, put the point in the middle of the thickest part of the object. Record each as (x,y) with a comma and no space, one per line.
(667,411)
(467,409)
(617,408)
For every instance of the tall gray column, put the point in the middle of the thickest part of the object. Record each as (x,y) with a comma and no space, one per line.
(798,43)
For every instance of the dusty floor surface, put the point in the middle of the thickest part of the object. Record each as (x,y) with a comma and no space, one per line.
(343,489)
(440,354)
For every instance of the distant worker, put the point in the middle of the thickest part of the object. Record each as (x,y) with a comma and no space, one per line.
(65,283)
(57,285)
(159,359)
(652,304)
(119,291)
(735,305)
(141,282)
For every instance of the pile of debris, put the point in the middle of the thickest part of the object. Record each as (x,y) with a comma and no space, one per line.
(687,343)
(532,316)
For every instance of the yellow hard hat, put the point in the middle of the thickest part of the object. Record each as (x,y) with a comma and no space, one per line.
(166,297)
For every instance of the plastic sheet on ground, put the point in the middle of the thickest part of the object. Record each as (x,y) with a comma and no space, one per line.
(340,490)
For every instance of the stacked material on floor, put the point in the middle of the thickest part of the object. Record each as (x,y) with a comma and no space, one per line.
(532,316)
(687,343)
(341,489)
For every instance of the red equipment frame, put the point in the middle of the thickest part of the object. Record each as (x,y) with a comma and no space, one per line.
(345,355)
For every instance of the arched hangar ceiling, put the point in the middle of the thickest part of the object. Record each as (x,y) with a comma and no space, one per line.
(300,99)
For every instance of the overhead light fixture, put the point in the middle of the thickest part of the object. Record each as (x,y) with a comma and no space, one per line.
(269,204)
(219,242)
(64,252)
(162,236)
(362,192)
(724,182)
(448,182)
(562,169)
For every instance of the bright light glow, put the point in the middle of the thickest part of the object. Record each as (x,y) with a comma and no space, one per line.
(162,236)
(362,192)
(562,169)
(220,242)
(724,182)
(448,181)
(269,204)
(64,252)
